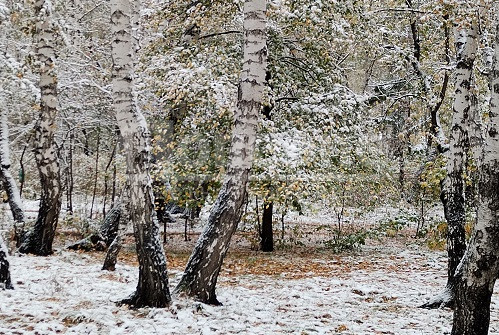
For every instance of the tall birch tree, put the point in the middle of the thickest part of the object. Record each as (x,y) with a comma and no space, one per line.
(201,273)
(452,195)
(152,289)
(39,240)
(465,127)
(478,271)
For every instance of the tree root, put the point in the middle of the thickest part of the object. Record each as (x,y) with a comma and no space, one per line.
(444,299)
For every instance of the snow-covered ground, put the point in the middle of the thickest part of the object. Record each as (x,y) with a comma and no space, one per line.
(375,291)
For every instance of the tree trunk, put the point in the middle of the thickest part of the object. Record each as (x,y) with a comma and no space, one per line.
(478,270)
(267,235)
(152,289)
(5,281)
(453,185)
(201,273)
(116,244)
(39,240)
(106,179)
(69,178)
(453,195)
(105,236)
(8,181)
(96,178)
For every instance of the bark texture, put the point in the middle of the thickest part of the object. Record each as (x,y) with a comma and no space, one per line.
(478,270)
(5,281)
(116,244)
(201,273)
(452,195)
(39,240)
(152,289)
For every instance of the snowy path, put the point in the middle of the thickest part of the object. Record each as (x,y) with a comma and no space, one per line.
(374,292)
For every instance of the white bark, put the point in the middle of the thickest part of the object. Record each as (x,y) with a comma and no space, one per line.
(152,289)
(479,268)
(453,185)
(40,239)
(201,273)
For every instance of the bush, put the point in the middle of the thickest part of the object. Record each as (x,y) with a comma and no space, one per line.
(349,242)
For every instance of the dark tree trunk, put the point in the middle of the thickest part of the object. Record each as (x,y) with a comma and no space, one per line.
(116,243)
(22,172)
(112,255)
(106,235)
(454,211)
(201,273)
(96,178)
(5,281)
(69,175)
(110,226)
(39,240)
(106,180)
(472,308)
(267,235)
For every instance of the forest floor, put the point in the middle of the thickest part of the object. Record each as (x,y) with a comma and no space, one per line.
(298,290)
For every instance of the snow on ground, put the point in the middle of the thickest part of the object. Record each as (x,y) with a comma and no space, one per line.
(375,291)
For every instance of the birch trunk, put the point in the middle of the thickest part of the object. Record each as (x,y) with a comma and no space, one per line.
(39,240)
(478,270)
(8,181)
(453,185)
(464,128)
(201,273)
(152,289)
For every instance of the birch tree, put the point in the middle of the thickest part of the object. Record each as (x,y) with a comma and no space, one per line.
(465,128)
(152,289)
(201,273)
(478,271)
(452,195)
(39,240)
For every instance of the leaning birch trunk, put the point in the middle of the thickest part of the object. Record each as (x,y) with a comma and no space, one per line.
(39,240)
(116,244)
(152,289)
(5,281)
(478,271)
(8,182)
(201,273)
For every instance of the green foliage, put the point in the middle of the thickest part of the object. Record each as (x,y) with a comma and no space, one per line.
(393,226)
(349,242)
(431,178)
